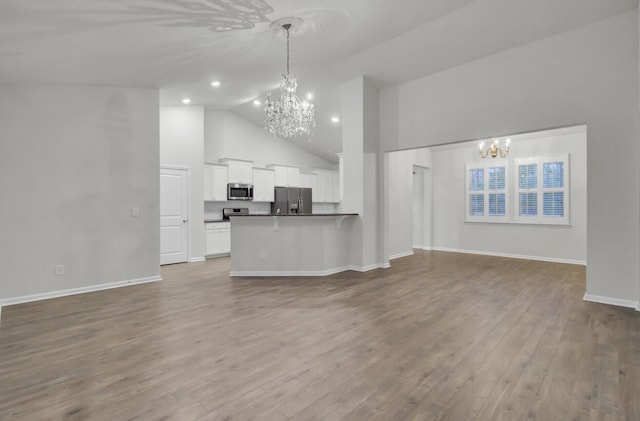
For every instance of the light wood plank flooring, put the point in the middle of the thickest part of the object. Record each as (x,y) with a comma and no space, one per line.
(437,336)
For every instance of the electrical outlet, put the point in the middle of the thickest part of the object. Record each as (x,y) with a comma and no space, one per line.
(135,212)
(59,269)
(263,254)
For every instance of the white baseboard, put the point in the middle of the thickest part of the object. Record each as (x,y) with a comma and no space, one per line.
(612,301)
(215,256)
(369,267)
(426,248)
(288,272)
(404,254)
(196,259)
(513,256)
(309,272)
(74,291)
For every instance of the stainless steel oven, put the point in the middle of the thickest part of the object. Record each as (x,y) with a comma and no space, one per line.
(239,191)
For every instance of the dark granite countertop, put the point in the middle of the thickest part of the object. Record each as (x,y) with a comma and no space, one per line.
(206,221)
(295,214)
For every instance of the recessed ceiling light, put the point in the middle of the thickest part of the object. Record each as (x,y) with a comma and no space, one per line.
(256,102)
(186,101)
(335,119)
(215,83)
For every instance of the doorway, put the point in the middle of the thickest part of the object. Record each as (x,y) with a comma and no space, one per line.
(174,211)
(422,229)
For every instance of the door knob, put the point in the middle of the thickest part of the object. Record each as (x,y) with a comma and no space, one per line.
(185,221)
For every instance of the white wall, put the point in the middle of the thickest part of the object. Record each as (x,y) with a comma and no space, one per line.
(182,145)
(227,135)
(545,242)
(74,161)
(400,198)
(587,75)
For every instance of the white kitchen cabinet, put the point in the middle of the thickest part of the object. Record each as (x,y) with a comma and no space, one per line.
(293,177)
(218,236)
(263,185)
(286,176)
(240,172)
(335,187)
(324,186)
(340,177)
(281,176)
(215,182)
(326,190)
(307,179)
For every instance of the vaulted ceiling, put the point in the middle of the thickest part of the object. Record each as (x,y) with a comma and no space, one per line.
(180,46)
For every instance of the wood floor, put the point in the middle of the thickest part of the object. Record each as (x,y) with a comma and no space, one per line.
(437,336)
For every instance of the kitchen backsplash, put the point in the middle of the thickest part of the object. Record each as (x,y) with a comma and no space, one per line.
(324,208)
(213,210)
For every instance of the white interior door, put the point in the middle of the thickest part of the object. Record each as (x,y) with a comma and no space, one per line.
(174,221)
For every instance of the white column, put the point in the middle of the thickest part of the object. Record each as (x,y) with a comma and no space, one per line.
(361,170)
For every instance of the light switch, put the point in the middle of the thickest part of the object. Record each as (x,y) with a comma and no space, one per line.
(135,212)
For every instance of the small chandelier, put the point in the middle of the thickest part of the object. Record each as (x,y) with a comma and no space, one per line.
(288,116)
(495,149)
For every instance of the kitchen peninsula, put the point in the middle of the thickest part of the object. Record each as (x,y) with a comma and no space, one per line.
(290,244)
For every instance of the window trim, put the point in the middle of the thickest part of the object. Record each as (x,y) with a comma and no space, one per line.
(486,191)
(512,191)
(540,218)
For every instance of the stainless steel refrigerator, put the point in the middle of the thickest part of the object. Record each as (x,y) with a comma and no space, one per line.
(290,200)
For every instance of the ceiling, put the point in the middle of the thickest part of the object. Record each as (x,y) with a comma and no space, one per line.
(180,46)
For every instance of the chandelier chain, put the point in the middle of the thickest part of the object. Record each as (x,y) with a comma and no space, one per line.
(287,27)
(288,116)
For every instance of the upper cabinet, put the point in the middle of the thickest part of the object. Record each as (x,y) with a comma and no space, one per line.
(286,176)
(240,172)
(340,177)
(263,184)
(215,182)
(326,187)
(308,179)
(325,183)
(336,187)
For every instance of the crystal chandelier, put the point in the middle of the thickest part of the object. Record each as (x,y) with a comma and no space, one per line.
(288,116)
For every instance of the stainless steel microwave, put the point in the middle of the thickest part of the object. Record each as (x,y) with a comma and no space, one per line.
(239,191)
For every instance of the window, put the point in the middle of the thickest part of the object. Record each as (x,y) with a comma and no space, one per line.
(543,190)
(539,193)
(476,197)
(486,192)
(527,189)
(497,191)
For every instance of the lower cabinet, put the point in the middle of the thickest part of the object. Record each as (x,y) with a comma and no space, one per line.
(218,236)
